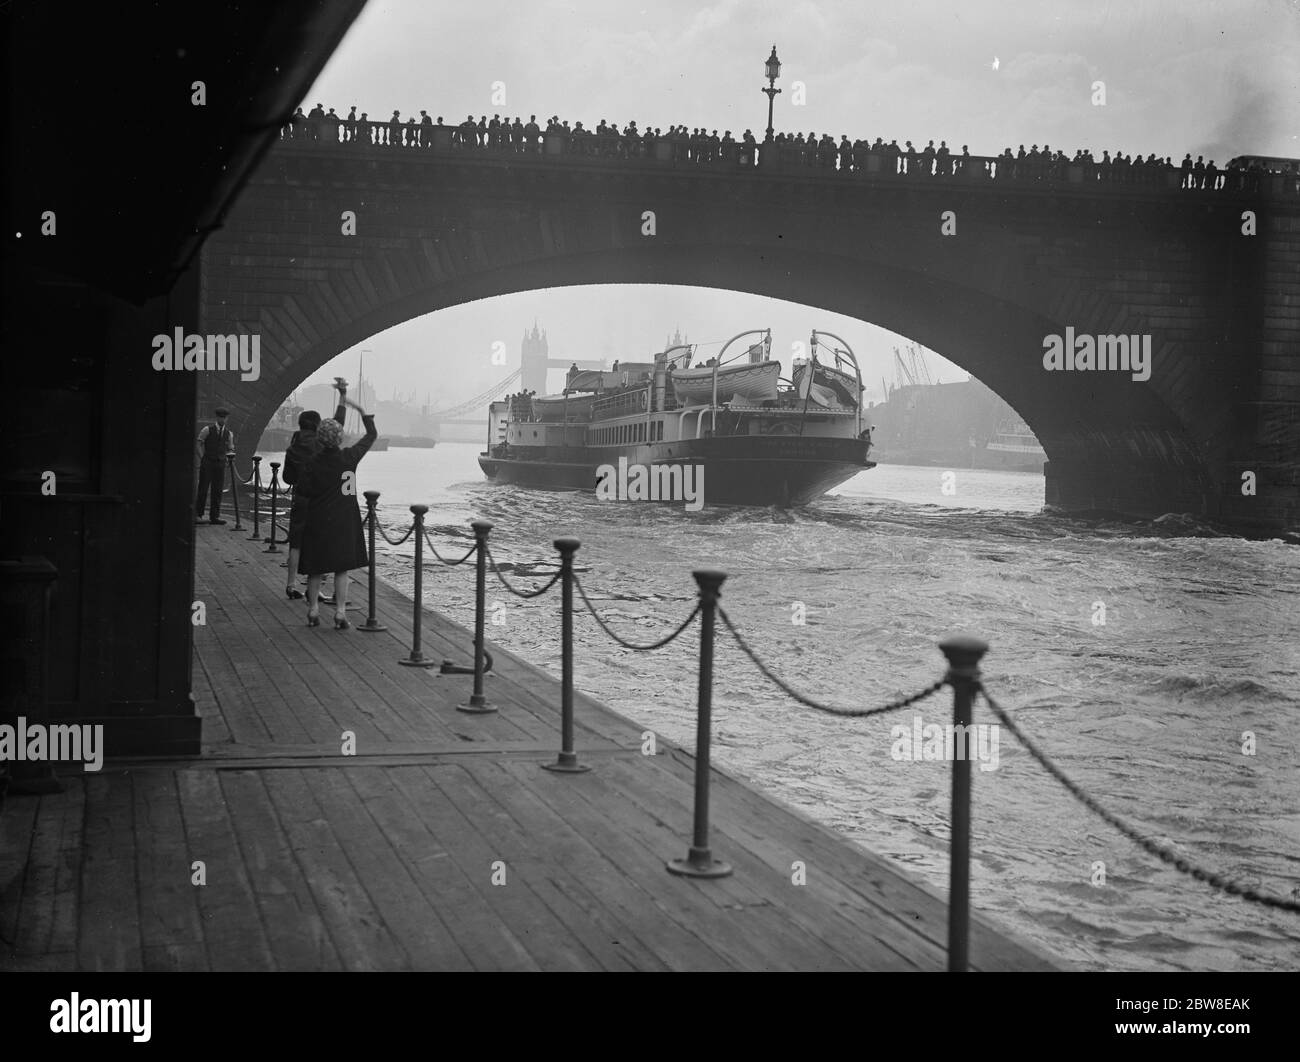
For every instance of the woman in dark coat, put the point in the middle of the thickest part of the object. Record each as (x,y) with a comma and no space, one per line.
(332,540)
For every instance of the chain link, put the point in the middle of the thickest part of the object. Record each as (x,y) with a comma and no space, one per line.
(1185,866)
(450,564)
(506,583)
(244,480)
(623,642)
(808,702)
(384,534)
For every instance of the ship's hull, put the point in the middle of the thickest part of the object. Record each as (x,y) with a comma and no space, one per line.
(738,470)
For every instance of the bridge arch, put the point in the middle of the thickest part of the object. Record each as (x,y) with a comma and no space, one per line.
(438,232)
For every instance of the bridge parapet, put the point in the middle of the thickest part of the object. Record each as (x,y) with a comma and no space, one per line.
(859,161)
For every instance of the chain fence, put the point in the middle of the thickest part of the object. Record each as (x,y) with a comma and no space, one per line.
(622,641)
(1165,855)
(808,702)
(526,594)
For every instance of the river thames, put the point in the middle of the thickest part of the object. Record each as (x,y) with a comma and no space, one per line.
(1147,711)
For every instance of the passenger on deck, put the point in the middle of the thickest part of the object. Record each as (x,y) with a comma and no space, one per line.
(332,540)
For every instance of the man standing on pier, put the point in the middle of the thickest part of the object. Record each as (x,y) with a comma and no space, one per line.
(214,442)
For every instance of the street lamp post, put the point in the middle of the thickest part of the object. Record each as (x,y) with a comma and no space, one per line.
(771,70)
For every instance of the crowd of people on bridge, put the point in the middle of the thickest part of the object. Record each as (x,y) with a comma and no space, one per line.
(789,150)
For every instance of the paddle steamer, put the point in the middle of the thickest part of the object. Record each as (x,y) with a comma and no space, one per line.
(762,438)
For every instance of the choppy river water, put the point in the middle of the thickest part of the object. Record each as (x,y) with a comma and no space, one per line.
(1201,642)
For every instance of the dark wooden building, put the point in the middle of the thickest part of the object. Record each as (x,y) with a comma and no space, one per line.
(129,133)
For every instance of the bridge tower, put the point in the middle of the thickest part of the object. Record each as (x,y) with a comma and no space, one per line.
(533,358)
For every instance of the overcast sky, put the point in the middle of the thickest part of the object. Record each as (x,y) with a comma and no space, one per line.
(1214,77)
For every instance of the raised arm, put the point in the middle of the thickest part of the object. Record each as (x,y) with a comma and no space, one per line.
(358,449)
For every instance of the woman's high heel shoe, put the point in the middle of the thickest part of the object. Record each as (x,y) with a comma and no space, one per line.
(313,619)
(292,594)
(341,623)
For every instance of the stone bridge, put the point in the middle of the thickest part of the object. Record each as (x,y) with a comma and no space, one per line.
(982,262)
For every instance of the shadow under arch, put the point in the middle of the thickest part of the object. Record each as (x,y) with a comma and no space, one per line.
(1094,427)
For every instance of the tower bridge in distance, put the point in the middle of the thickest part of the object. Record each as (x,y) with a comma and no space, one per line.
(467,421)
(979,263)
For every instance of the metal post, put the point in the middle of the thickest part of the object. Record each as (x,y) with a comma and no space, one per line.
(963,655)
(568,759)
(257,498)
(234,490)
(417,658)
(275,497)
(477,702)
(372,518)
(699,862)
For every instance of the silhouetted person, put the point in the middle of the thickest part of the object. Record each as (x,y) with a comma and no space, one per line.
(350,126)
(332,540)
(303,447)
(214,442)
(315,118)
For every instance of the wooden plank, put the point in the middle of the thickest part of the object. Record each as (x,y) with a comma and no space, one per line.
(108,930)
(171,931)
(574,843)
(295,929)
(355,927)
(17,834)
(233,933)
(243,720)
(764,865)
(610,942)
(483,840)
(259,651)
(404,693)
(405,804)
(45,896)
(591,805)
(746,895)
(406,911)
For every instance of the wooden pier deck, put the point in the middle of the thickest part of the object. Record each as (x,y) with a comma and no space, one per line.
(440,845)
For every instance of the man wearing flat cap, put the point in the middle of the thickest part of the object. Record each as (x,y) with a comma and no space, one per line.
(215,441)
